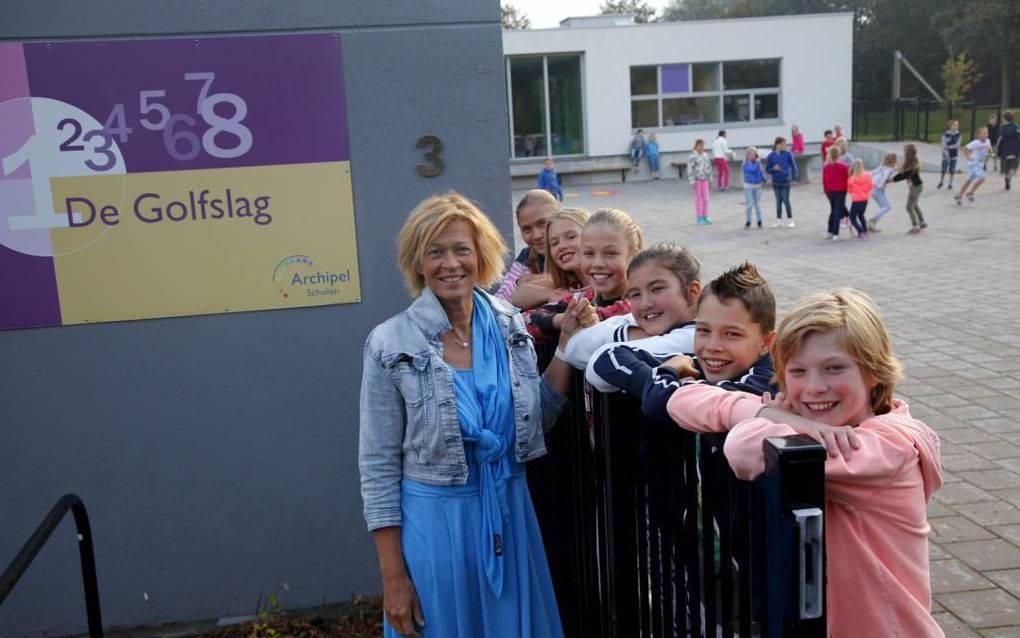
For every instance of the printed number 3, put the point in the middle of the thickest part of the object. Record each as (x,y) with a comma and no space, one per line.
(432,156)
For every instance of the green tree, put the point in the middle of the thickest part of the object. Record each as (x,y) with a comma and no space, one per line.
(988,31)
(640,10)
(958,77)
(679,10)
(512,19)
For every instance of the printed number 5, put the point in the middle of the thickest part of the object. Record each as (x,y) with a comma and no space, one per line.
(432,156)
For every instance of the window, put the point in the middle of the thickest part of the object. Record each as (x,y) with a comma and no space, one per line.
(546,115)
(704,93)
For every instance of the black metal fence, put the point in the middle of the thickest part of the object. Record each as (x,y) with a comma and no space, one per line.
(35,543)
(916,119)
(650,534)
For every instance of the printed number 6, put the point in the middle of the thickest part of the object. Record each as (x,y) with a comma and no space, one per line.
(432,156)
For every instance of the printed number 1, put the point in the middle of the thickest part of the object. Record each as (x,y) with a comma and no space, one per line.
(432,156)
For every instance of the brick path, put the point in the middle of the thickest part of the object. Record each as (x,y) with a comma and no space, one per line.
(951,296)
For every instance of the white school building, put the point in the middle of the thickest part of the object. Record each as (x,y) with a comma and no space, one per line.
(578,92)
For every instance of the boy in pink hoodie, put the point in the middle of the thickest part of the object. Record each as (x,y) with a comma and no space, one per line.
(836,374)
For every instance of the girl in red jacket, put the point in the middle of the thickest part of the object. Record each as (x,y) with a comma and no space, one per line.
(859,184)
(834,181)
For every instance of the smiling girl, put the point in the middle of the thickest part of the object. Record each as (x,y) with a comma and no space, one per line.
(609,239)
(837,373)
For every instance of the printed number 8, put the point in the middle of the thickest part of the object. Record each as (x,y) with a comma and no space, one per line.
(232,125)
(432,156)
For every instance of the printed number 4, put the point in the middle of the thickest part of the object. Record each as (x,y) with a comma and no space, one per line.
(432,156)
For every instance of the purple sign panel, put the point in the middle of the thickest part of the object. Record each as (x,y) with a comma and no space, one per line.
(199,103)
(676,78)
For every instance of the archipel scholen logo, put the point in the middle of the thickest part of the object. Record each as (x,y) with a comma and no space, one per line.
(297,275)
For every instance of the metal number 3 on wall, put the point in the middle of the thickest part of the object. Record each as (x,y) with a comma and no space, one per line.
(436,167)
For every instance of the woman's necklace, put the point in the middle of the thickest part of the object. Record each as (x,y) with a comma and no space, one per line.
(462,342)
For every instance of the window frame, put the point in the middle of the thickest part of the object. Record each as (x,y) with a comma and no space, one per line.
(546,106)
(719,94)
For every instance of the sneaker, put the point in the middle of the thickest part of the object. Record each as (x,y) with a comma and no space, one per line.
(913,231)
(707,221)
(939,186)
(747,225)
(959,200)
(833,237)
(862,236)
(1008,181)
(778,224)
(872,228)
(970,197)
(759,225)
(924,225)
(846,222)
(701,221)
(790,224)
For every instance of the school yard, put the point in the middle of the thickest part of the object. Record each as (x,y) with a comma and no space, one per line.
(951,297)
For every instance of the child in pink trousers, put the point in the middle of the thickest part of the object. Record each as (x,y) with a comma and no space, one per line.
(836,373)
(699,172)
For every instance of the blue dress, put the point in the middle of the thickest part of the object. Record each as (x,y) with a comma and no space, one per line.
(474,552)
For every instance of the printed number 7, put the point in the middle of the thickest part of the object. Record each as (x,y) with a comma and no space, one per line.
(432,156)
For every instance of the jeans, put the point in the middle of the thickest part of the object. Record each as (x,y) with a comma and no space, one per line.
(653,163)
(857,216)
(883,203)
(916,216)
(752,199)
(722,172)
(837,209)
(782,192)
(700,188)
(948,165)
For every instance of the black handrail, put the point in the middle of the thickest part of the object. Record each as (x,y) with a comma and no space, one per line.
(35,543)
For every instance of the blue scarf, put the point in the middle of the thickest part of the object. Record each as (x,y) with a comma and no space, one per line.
(487,424)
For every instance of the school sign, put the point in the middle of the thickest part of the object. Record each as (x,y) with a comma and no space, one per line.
(175,176)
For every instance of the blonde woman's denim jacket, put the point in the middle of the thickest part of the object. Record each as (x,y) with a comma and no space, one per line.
(409,423)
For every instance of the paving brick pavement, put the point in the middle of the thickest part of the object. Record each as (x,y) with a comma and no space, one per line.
(951,297)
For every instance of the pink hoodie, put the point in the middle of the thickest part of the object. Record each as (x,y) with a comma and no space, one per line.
(876,526)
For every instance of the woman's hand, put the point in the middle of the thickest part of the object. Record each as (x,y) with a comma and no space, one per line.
(400,601)
(557,294)
(838,440)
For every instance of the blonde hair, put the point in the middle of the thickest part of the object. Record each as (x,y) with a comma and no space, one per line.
(428,219)
(853,317)
(563,278)
(889,159)
(751,149)
(833,153)
(841,143)
(622,223)
(857,167)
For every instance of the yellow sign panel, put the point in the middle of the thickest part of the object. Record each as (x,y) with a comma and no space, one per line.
(143,245)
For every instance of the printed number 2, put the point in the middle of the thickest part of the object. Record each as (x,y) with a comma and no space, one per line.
(432,156)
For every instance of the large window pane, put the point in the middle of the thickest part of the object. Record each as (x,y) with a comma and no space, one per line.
(766,107)
(644,113)
(737,108)
(690,110)
(751,74)
(706,76)
(676,78)
(644,80)
(565,113)
(527,84)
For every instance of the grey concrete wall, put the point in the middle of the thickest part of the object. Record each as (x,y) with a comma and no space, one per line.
(218,454)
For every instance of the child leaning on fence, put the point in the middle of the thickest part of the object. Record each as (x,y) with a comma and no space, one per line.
(836,373)
(733,332)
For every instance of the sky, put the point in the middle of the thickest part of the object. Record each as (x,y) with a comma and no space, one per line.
(545,14)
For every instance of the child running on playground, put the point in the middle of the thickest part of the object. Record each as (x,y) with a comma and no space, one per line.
(879,178)
(910,170)
(699,173)
(754,179)
(733,333)
(950,150)
(609,239)
(976,153)
(1008,149)
(834,181)
(860,186)
(836,373)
